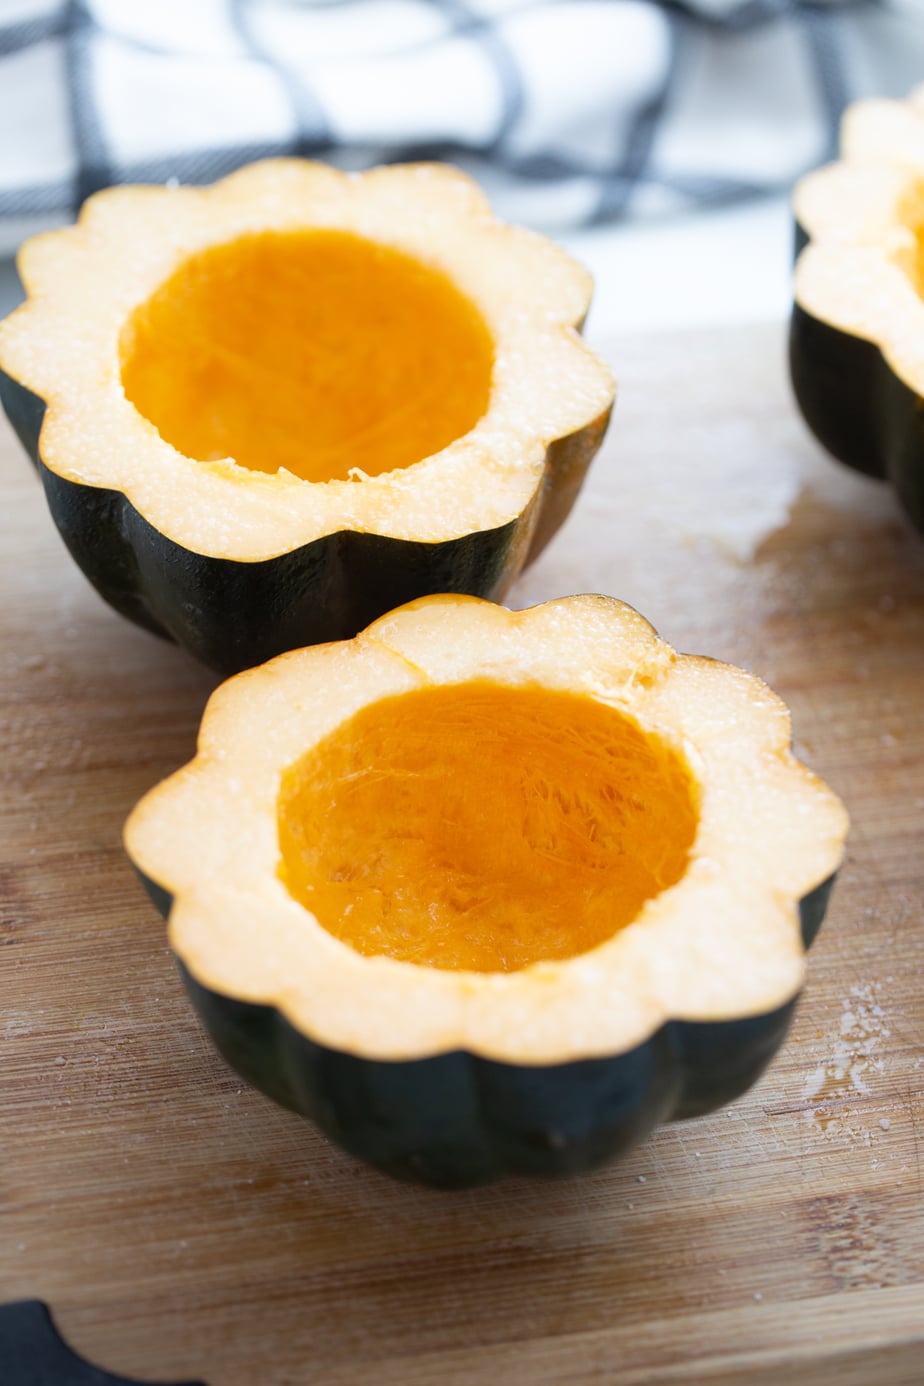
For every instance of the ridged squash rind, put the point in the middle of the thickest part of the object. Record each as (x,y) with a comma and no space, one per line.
(238,566)
(856,340)
(456,1119)
(460,1078)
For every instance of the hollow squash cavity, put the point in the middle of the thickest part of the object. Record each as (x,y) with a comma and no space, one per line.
(316,351)
(917,274)
(484,827)
(910,258)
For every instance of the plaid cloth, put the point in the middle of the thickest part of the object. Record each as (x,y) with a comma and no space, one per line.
(569,112)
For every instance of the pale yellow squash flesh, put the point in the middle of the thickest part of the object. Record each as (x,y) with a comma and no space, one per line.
(297,352)
(863,270)
(657,836)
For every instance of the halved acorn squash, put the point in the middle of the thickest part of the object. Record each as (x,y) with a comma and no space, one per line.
(486,892)
(857,331)
(268,411)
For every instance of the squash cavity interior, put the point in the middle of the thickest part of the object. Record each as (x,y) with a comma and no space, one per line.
(909,254)
(484,827)
(916,219)
(317,351)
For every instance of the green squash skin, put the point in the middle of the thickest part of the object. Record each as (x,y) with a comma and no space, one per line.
(456,1120)
(235,615)
(856,406)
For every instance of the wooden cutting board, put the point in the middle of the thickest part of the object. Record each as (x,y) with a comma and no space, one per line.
(181,1226)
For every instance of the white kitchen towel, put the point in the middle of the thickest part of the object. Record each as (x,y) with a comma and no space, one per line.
(570,112)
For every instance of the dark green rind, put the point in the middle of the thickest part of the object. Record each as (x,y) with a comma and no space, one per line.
(836,380)
(235,615)
(857,407)
(456,1120)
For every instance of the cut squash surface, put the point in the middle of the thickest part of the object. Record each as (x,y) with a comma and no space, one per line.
(266,412)
(486,892)
(208,351)
(863,269)
(484,827)
(533,835)
(856,343)
(318,352)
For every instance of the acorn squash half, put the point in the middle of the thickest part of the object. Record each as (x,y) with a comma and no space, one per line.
(857,330)
(268,411)
(486,892)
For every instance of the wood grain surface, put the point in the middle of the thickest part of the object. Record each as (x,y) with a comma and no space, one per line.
(181,1226)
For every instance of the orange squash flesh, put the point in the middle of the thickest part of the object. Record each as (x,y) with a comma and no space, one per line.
(484,827)
(316,351)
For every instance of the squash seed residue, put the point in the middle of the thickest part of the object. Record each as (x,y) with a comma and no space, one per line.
(850,1069)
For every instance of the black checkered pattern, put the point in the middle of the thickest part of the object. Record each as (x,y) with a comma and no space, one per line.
(570,112)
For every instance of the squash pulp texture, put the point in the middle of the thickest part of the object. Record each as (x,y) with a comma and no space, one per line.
(484,827)
(319,352)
